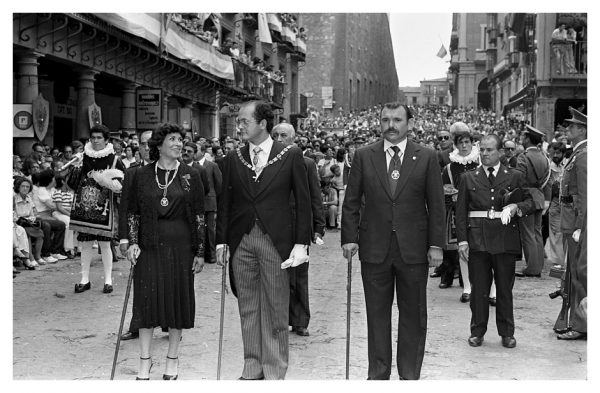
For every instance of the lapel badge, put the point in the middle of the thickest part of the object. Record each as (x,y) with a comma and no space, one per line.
(505,171)
(414,157)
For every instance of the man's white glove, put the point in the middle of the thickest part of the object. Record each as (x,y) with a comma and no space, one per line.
(79,157)
(297,257)
(576,235)
(507,213)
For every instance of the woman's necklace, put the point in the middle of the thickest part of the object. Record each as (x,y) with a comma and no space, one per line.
(164,201)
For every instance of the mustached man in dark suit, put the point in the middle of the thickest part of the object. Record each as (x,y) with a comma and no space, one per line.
(399,229)
(255,221)
(299,302)
(487,231)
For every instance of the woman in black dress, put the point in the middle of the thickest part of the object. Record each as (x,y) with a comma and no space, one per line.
(166,235)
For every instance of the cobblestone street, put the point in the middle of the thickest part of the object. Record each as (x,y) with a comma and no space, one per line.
(58,334)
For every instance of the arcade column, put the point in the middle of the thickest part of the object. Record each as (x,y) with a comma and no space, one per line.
(85,97)
(128,108)
(27,90)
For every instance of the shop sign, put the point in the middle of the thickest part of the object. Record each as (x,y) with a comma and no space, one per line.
(148,108)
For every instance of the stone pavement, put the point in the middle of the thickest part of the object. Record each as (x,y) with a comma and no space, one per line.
(58,334)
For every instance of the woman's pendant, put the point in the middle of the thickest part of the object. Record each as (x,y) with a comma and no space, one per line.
(164,201)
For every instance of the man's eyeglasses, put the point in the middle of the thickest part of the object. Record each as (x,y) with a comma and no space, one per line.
(443,138)
(243,122)
(509,148)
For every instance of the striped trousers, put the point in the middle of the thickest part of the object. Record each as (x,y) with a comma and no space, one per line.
(263,300)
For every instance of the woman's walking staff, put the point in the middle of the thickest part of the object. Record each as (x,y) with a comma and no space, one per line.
(127,291)
(223,284)
(349,290)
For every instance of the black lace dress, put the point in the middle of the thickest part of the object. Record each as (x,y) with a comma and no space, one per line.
(163,278)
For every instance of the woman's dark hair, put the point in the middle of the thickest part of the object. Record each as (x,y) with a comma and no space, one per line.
(339,155)
(158,137)
(46,177)
(60,180)
(458,135)
(20,180)
(103,129)
(324,148)
(128,147)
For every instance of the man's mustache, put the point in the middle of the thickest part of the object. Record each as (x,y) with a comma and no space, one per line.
(391,129)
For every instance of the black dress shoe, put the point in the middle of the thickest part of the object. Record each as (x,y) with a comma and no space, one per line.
(107,288)
(129,336)
(82,287)
(251,379)
(465,298)
(509,342)
(492,301)
(301,331)
(475,341)
(571,335)
(444,285)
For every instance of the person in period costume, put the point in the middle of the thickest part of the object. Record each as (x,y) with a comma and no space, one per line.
(399,229)
(145,136)
(490,201)
(573,214)
(255,221)
(165,218)
(464,158)
(299,299)
(535,167)
(96,179)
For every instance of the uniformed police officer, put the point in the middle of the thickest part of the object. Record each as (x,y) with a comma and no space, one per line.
(573,211)
(488,237)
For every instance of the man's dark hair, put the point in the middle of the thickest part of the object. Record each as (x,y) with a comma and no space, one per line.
(558,146)
(263,111)
(533,138)
(37,144)
(396,105)
(101,128)
(158,137)
(192,145)
(124,134)
(215,149)
(46,177)
(494,137)
(324,148)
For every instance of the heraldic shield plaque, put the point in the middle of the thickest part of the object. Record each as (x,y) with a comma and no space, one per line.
(41,116)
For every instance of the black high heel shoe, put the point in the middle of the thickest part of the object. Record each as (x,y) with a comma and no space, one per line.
(168,377)
(149,369)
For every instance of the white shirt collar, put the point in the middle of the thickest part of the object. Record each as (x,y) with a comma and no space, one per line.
(202,160)
(496,169)
(266,146)
(402,145)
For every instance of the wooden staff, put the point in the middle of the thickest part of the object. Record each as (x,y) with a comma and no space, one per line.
(223,286)
(349,293)
(127,291)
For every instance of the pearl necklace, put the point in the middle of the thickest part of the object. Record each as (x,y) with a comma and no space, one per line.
(164,201)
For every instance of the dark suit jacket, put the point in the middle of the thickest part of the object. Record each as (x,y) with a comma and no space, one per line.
(215,181)
(475,194)
(203,176)
(243,200)
(415,212)
(535,167)
(316,203)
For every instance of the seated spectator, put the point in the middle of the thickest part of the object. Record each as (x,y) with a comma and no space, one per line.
(63,198)
(17,166)
(77,146)
(20,243)
(55,153)
(54,230)
(324,165)
(25,213)
(330,203)
(30,167)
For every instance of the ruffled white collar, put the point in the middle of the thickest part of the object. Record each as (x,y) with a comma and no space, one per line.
(90,152)
(473,156)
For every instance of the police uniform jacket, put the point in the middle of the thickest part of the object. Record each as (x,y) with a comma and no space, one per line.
(477,194)
(573,191)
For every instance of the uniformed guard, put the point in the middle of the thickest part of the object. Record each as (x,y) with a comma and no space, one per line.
(573,211)
(488,237)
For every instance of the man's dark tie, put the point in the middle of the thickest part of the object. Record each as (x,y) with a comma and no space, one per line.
(491,176)
(394,166)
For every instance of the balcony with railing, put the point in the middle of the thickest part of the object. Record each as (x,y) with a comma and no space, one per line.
(568,60)
(257,83)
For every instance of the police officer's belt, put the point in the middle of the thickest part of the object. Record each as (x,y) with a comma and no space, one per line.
(566,199)
(491,214)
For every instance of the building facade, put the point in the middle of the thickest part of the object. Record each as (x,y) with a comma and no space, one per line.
(349,62)
(131,71)
(529,74)
(430,92)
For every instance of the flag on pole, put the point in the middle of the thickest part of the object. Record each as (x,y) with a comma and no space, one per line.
(264,35)
(442,52)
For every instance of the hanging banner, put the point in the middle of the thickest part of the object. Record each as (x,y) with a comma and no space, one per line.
(94,115)
(41,116)
(22,121)
(327,96)
(148,108)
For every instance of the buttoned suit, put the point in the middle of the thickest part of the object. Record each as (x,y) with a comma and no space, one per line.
(299,299)
(255,220)
(394,233)
(535,169)
(492,245)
